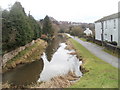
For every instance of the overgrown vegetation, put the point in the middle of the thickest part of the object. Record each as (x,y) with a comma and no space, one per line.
(100,75)
(30,54)
(114,53)
(83,39)
(47,27)
(18,29)
(113,43)
(76,31)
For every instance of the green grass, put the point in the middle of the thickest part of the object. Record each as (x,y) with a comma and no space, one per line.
(100,75)
(83,39)
(22,53)
(111,52)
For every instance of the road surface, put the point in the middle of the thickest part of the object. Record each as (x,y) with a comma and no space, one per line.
(98,51)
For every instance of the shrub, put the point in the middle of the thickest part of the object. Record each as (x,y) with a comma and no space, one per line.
(114,43)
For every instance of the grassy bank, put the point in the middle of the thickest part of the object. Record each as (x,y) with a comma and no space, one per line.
(111,52)
(83,39)
(30,54)
(100,75)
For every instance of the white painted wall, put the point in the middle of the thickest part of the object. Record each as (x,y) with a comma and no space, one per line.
(108,31)
(98,31)
(119,32)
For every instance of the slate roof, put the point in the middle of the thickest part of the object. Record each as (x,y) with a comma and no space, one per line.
(113,16)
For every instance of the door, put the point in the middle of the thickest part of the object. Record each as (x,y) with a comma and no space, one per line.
(111,38)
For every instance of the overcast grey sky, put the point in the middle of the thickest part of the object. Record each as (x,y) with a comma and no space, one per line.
(67,10)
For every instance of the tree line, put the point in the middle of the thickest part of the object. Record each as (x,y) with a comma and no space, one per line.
(18,28)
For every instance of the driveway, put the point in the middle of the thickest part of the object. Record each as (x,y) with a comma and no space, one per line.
(97,51)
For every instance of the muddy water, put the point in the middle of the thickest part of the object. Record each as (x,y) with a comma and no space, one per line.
(62,63)
(24,74)
(54,45)
(55,61)
(27,73)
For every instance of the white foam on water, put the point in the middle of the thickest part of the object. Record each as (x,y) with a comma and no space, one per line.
(62,62)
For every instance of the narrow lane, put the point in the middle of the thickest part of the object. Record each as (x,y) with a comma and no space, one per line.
(98,51)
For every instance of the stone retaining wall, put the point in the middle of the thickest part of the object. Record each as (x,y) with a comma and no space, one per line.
(6,57)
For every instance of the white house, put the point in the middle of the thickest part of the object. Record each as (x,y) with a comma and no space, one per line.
(88,32)
(106,29)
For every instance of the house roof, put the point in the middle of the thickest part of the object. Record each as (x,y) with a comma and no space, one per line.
(113,16)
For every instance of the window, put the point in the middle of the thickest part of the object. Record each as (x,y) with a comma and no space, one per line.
(114,24)
(105,34)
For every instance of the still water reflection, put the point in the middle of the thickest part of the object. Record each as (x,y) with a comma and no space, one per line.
(27,73)
(24,74)
(55,61)
(61,63)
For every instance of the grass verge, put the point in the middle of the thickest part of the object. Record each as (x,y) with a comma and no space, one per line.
(100,75)
(111,52)
(83,39)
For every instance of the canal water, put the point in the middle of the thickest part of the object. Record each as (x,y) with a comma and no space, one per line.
(62,63)
(55,61)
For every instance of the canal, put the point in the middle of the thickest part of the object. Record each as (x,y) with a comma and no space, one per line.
(55,61)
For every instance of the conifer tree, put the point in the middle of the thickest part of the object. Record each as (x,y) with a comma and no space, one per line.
(47,27)
(17,28)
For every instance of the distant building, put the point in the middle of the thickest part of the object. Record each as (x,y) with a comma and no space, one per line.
(88,32)
(106,29)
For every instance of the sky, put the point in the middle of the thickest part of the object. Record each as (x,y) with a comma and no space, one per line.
(86,11)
